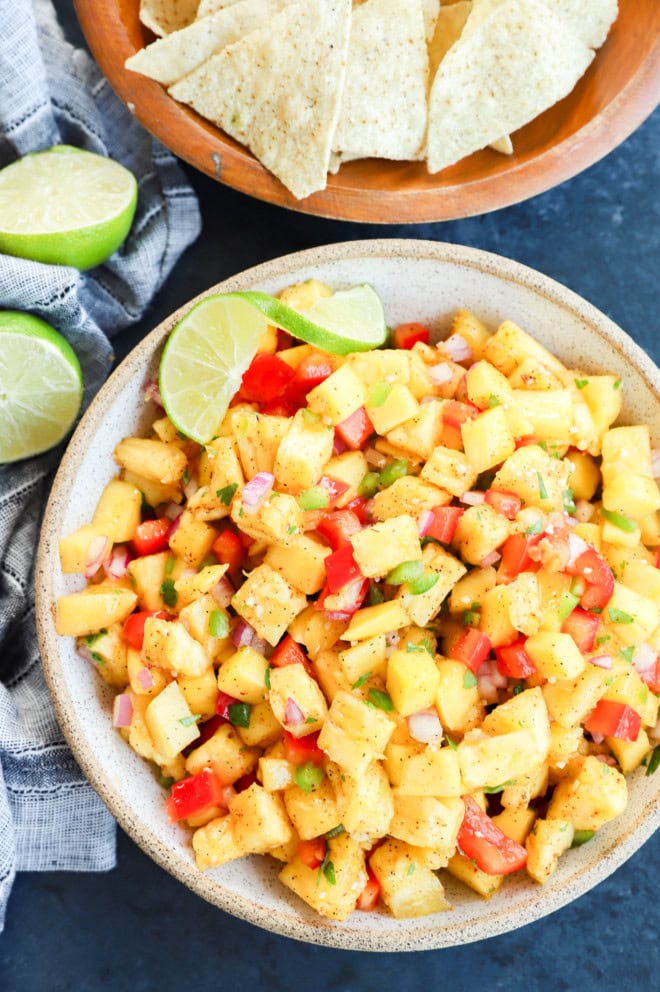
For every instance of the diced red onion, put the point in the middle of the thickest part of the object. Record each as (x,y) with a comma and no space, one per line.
(257,490)
(473,498)
(243,635)
(489,669)
(576,547)
(96,555)
(171,510)
(598,738)
(376,459)
(190,488)
(602,661)
(85,653)
(338,446)
(223,592)
(487,689)
(122,710)
(457,348)
(425,727)
(337,615)
(440,374)
(116,566)
(174,526)
(152,392)
(605,759)
(293,715)
(227,792)
(644,658)
(424,522)
(146,679)
(584,511)
(490,559)
(655,462)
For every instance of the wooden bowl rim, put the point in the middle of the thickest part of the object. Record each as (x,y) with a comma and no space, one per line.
(217,155)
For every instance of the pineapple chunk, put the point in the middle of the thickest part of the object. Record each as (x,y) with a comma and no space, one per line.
(276,521)
(95,608)
(224,463)
(364,658)
(301,562)
(155,460)
(488,439)
(263,728)
(108,651)
(555,656)
(353,734)
(243,676)
(373,620)
(466,871)
(422,607)
(292,683)
(171,724)
(570,701)
(488,762)
(585,477)
(472,330)
(268,602)
(480,531)
(471,589)
(315,630)
(547,841)
(199,692)
(419,435)
(510,346)
(75,548)
(333,899)
(433,772)
(330,674)
(225,753)
(118,511)
(408,495)
(377,549)
(487,387)
(398,406)
(192,540)
(350,468)
(425,821)
(629,615)
(412,681)
(630,754)
(260,820)
(147,575)
(191,587)
(303,295)
(525,603)
(458,704)
(167,644)
(380,366)
(408,887)
(154,492)
(450,470)
(215,843)
(365,804)
(303,452)
(275,773)
(535,476)
(495,619)
(312,813)
(593,795)
(550,412)
(526,711)
(602,394)
(338,396)
(632,494)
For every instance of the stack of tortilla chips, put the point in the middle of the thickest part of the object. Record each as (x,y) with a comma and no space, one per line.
(309,84)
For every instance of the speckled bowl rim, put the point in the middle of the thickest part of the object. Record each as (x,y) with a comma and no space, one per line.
(496,918)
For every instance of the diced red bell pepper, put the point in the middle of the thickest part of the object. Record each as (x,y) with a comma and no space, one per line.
(300,750)
(151,536)
(335,488)
(222,703)
(312,852)
(370,895)
(343,604)
(265,379)
(456,413)
(407,335)
(289,652)
(356,430)
(508,504)
(359,506)
(612,718)
(526,440)
(193,795)
(312,371)
(229,550)
(515,556)
(337,526)
(481,839)
(651,676)
(592,567)
(340,568)
(444,523)
(208,728)
(583,627)
(472,648)
(278,407)
(513,661)
(133,632)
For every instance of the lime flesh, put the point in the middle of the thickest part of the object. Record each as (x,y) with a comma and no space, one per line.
(40,386)
(65,206)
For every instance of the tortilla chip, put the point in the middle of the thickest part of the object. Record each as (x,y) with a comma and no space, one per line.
(503,145)
(173,57)
(501,74)
(430,9)
(448,28)
(383,110)
(207,7)
(164,16)
(590,20)
(278,90)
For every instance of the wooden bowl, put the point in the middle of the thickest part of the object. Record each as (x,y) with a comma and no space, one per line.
(417,280)
(619,90)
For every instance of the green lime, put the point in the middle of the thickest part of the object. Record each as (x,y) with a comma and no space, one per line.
(204,360)
(40,386)
(349,320)
(65,206)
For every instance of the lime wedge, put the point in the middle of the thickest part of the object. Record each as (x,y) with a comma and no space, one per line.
(40,386)
(349,320)
(204,360)
(65,206)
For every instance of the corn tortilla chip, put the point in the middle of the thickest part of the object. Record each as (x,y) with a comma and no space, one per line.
(448,28)
(173,57)
(383,110)
(278,89)
(590,20)
(207,7)
(500,74)
(164,16)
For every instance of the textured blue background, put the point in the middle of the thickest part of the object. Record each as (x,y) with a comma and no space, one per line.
(138,929)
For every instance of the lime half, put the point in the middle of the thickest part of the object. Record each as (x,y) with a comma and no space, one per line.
(40,386)
(65,206)
(204,360)
(349,320)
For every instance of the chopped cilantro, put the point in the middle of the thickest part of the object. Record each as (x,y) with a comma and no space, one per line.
(374,595)
(267,671)
(360,682)
(329,834)
(619,616)
(535,528)
(603,639)
(619,520)
(543,492)
(309,416)
(169,565)
(381,700)
(226,494)
(616,384)
(168,592)
(518,688)
(568,500)
(239,714)
(581,383)
(311,719)
(654,760)
(493,789)
(471,618)
(292,529)
(452,744)
(329,873)
(188,721)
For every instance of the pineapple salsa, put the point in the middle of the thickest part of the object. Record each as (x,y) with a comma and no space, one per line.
(399,617)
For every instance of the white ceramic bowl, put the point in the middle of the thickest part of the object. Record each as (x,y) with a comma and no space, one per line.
(417,280)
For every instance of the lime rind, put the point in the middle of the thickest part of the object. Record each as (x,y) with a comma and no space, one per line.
(349,320)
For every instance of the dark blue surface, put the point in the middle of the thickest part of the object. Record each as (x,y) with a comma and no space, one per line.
(138,929)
